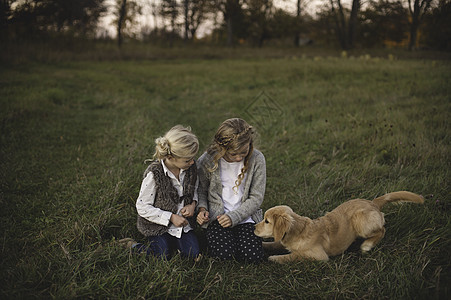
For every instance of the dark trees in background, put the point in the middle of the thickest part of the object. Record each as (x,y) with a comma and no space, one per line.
(407,23)
(247,21)
(353,23)
(345,27)
(437,26)
(383,21)
(297,33)
(338,14)
(170,11)
(417,9)
(74,18)
(282,25)
(122,5)
(78,17)
(195,12)
(233,14)
(125,12)
(5,14)
(258,14)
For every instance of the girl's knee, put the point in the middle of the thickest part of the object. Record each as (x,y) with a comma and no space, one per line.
(191,252)
(159,247)
(189,245)
(222,254)
(251,255)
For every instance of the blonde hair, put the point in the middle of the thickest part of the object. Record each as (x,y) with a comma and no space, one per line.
(179,141)
(232,134)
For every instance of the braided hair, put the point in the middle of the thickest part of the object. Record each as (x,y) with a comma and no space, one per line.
(232,134)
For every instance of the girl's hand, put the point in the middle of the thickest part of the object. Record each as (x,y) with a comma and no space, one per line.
(178,221)
(188,210)
(203,217)
(224,221)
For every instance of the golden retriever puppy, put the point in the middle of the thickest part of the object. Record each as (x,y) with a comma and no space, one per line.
(331,234)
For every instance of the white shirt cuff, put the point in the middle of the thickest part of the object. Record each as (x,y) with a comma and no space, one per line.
(165,218)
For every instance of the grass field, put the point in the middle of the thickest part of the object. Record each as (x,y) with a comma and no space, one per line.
(74,136)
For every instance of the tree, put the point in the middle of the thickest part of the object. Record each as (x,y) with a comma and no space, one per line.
(122,4)
(353,22)
(383,21)
(126,12)
(194,12)
(170,8)
(233,15)
(417,9)
(297,34)
(340,22)
(5,14)
(437,26)
(281,24)
(345,27)
(259,13)
(77,18)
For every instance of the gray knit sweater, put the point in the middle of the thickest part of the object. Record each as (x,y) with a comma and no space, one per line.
(210,189)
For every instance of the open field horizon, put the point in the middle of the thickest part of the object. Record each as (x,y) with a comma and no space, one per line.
(64,50)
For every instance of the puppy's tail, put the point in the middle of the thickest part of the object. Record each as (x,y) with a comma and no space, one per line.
(402,196)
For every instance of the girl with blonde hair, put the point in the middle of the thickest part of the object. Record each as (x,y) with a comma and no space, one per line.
(232,180)
(168,196)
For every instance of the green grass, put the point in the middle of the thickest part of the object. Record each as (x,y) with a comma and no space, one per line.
(75,136)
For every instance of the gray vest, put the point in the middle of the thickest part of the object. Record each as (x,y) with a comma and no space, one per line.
(167,197)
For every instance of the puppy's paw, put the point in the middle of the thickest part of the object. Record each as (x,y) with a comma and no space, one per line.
(276,259)
(272,258)
(365,248)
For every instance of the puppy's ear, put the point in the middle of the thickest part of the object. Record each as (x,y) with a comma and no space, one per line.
(282,224)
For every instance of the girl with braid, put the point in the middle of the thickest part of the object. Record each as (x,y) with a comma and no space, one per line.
(232,179)
(168,196)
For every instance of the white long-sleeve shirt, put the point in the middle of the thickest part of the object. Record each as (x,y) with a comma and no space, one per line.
(231,195)
(146,199)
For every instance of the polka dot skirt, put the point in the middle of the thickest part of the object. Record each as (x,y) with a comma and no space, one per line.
(238,242)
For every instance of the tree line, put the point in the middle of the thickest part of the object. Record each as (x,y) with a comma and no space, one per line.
(350,24)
